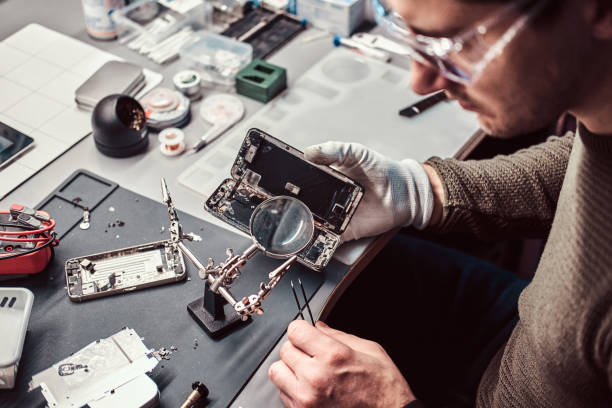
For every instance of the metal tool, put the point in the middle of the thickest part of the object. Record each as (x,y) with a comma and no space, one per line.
(381,43)
(316,36)
(306,301)
(222,111)
(424,104)
(264,22)
(362,49)
(297,302)
(199,391)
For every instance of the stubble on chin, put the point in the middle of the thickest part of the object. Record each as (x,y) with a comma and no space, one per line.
(499,127)
(514,120)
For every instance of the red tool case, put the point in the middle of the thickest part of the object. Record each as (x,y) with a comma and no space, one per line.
(26,240)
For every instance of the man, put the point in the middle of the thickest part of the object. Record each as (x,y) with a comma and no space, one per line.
(449,323)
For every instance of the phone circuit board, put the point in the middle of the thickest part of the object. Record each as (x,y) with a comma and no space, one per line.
(124,270)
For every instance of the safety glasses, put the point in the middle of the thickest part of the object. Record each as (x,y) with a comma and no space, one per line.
(463,57)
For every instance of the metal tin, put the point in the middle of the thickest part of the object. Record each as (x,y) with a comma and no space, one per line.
(188,82)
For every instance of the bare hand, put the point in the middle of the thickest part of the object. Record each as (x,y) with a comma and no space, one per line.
(323,367)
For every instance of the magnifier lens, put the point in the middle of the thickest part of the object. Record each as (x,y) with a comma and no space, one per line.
(282,226)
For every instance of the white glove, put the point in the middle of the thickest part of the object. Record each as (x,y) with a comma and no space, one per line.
(397,193)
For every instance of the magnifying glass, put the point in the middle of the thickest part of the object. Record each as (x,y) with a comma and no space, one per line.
(280,227)
(222,111)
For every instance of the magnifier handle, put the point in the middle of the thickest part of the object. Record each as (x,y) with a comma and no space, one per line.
(279,272)
(250,251)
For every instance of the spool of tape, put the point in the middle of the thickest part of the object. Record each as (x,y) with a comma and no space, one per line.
(221,108)
(161,100)
(171,141)
(166,108)
(188,82)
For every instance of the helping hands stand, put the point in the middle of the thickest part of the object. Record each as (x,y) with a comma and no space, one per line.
(217,311)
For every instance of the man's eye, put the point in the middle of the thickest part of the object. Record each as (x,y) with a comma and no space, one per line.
(471,49)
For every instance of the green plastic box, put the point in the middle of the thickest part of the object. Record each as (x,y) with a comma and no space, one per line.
(261,80)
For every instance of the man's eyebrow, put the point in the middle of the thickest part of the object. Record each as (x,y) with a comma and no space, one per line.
(448,32)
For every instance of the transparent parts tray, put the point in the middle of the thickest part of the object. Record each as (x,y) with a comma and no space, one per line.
(155,20)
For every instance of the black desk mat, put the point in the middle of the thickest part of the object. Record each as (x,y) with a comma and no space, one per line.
(59,327)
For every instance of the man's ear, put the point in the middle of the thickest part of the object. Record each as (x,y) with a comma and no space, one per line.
(602,19)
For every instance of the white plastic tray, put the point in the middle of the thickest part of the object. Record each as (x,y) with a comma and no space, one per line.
(15,307)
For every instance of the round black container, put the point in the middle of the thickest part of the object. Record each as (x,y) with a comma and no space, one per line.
(119,126)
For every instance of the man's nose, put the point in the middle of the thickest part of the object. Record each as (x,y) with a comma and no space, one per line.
(426,79)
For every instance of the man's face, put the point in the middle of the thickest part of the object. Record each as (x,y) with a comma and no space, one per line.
(534,80)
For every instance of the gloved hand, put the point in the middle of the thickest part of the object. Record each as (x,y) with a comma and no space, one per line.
(397,193)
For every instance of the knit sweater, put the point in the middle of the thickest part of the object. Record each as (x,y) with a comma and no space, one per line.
(560,352)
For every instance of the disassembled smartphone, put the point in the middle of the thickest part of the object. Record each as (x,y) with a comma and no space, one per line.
(124,270)
(107,373)
(266,167)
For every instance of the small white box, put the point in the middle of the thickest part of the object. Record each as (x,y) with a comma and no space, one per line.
(340,17)
(15,308)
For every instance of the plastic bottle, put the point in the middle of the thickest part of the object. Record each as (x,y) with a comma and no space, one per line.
(97,18)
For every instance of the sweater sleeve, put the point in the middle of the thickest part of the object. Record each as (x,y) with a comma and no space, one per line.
(506,196)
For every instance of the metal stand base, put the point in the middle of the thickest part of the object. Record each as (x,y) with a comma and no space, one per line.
(214,314)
